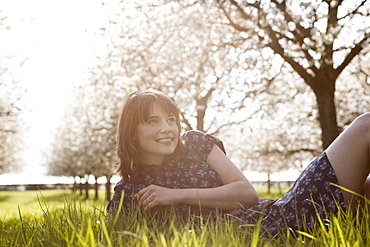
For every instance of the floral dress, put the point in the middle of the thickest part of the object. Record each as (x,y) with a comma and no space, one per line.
(313,194)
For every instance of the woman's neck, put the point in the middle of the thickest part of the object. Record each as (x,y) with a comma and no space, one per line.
(150,161)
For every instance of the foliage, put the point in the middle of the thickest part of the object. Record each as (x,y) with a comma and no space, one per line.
(317,39)
(85,141)
(84,144)
(188,53)
(75,223)
(11,106)
(280,136)
(353,90)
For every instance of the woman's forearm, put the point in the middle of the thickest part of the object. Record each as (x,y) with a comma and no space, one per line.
(227,197)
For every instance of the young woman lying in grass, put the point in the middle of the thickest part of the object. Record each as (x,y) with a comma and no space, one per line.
(160,169)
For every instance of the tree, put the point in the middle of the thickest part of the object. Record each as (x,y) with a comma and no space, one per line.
(11,127)
(317,39)
(64,157)
(100,128)
(85,142)
(11,107)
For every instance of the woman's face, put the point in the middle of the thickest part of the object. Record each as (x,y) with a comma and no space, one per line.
(157,137)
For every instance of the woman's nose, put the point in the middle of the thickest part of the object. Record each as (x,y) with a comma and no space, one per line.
(165,127)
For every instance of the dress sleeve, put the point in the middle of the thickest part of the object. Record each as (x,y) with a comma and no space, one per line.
(126,188)
(201,144)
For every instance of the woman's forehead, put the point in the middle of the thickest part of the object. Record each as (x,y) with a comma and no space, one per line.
(157,109)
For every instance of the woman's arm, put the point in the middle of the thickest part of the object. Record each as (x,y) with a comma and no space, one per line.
(236,192)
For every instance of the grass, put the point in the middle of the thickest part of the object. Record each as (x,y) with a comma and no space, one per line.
(61,218)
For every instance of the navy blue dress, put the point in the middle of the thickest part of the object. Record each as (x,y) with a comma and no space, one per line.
(312,195)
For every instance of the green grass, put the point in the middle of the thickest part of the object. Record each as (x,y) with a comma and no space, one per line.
(61,218)
(29,201)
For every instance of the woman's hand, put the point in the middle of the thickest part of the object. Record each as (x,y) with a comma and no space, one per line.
(154,196)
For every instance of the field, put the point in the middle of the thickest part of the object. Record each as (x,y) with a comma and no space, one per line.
(63,218)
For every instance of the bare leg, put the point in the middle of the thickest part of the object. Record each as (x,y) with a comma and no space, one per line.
(366,189)
(349,156)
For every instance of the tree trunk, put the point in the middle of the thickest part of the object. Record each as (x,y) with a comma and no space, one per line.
(327,116)
(268,183)
(201,112)
(279,186)
(96,189)
(86,185)
(75,186)
(81,187)
(108,187)
(201,108)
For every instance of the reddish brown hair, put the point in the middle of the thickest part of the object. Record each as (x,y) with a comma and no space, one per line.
(136,109)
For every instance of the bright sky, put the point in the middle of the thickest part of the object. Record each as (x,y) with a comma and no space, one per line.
(56,37)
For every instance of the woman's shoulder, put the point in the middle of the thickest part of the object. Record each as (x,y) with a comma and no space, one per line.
(193,134)
(198,136)
(198,140)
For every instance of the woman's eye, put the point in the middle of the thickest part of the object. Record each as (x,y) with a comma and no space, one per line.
(171,120)
(152,122)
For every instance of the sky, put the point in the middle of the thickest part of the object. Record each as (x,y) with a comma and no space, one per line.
(55,41)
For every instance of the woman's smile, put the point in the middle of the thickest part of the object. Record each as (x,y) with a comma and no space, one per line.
(165,140)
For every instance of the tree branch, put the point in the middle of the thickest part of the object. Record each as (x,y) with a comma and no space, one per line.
(185,121)
(232,23)
(354,11)
(354,52)
(274,44)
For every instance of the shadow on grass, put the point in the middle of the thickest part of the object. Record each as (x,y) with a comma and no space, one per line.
(68,195)
(57,197)
(4,198)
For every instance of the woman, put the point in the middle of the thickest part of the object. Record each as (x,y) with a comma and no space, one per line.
(160,169)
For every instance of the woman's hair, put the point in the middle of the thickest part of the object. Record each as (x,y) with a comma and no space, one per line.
(136,109)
